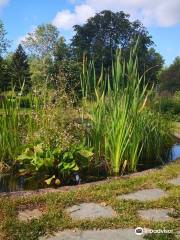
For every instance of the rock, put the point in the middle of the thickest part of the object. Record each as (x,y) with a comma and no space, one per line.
(155,214)
(90,211)
(144,195)
(106,234)
(175,181)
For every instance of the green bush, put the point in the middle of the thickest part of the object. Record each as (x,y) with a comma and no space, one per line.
(169,106)
(25,102)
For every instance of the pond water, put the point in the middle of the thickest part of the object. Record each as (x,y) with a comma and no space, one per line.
(10,183)
(175,152)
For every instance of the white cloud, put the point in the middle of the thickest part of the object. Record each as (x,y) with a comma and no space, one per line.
(23,38)
(66,19)
(3,3)
(163,13)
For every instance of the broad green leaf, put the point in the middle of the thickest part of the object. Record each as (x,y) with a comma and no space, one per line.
(86,153)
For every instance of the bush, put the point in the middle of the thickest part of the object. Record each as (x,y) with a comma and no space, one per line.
(170,106)
(25,102)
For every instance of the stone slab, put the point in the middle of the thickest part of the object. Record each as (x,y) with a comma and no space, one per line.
(155,214)
(175,181)
(144,195)
(28,215)
(106,234)
(90,211)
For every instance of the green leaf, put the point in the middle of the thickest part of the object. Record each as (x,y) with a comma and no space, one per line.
(49,180)
(69,165)
(76,168)
(85,153)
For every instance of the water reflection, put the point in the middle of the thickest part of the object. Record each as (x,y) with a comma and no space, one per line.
(175,152)
(9,183)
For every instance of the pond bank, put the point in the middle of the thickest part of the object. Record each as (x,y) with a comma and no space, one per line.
(85,185)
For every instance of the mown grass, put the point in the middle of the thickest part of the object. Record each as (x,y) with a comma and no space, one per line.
(54,205)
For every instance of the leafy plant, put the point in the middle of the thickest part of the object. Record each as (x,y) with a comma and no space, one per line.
(123,128)
(56,163)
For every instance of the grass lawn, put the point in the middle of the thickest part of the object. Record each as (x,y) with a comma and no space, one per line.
(54,204)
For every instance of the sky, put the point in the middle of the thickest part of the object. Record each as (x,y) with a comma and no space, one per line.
(160,17)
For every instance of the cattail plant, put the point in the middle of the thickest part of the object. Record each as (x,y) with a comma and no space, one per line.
(123,128)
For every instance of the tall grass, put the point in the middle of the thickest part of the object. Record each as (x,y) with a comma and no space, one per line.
(123,127)
(17,124)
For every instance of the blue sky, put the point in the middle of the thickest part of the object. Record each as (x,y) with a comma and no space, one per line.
(162,18)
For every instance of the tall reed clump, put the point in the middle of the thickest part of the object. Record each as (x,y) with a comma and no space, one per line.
(123,129)
(17,124)
(9,130)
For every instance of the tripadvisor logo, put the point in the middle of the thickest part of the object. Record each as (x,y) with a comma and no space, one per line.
(141,231)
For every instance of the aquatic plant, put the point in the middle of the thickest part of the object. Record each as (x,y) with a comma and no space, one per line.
(123,128)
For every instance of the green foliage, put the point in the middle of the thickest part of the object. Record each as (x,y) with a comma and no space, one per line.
(54,161)
(10,128)
(42,41)
(61,51)
(4,43)
(169,78)
(20,70)
(17,126)
(25,101)
(105,32)
(68,76)
(123,129)
(5,74)
(169,105)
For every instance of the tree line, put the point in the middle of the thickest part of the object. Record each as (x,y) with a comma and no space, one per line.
(45,55)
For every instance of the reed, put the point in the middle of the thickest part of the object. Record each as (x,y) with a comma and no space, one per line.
(17,124)
(123,128)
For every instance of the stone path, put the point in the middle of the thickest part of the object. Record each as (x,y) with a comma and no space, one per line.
(90,211)
(118,234)
(175,181)
(155,214)
(28,215)
(144,195)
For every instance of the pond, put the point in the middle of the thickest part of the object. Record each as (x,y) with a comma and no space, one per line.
(10,183)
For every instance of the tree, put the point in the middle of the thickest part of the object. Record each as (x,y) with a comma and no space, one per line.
(43,45)
(170,77)
(153,63)
(101,36)
(5,74)
(20,70)
(42,41)
(105,32)
(61,50)
(4,65)
(4,43)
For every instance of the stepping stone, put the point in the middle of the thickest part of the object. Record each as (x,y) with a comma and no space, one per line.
(106,234)
(175,181)
(90,211)
(28,215)
(155,214)
(144,195)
